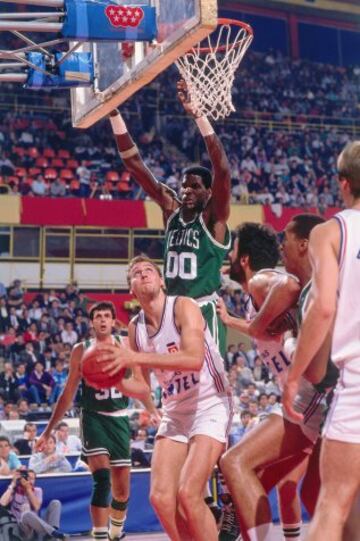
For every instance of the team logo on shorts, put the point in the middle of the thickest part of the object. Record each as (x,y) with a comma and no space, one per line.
(172,347)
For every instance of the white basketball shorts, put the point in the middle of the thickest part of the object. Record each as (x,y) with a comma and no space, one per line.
(343,420)
(208,418)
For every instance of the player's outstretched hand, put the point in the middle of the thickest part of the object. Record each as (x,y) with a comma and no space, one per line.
(290,391)
(41,442)
(184,97)
(222,310)
(114,358)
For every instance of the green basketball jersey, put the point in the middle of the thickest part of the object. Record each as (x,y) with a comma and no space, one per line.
(332,373)
(193,258)
(107,400)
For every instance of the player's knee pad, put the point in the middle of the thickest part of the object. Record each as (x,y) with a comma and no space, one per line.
(101,488)
(119,506)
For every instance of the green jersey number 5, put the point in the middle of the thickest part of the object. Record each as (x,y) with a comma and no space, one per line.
(183,265)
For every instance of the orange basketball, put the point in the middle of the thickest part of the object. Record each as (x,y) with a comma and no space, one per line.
(92,371)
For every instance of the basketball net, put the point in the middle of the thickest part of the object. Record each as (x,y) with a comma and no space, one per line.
(209,68)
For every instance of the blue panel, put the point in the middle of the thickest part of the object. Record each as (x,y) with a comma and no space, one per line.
(101,20)
(350,47)
(74,492)
(319,43)
(269,33)
(77,70)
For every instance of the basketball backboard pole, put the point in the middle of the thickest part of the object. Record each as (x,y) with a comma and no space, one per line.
(42,3)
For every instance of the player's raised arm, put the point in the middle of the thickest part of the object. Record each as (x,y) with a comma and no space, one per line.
(66,398)
(129,153)
(221,187)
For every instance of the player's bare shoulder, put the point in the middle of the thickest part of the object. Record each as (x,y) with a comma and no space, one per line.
(186,310)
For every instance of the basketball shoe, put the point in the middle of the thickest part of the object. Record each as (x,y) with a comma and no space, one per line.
(229,529)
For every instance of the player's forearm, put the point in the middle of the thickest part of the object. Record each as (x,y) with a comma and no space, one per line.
(237,324)
(180,360)
(149,403)
(312,335)
(63,404)
(134,388)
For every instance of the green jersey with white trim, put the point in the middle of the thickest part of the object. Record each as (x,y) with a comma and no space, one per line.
(193,258)
(106,400)
(332,373)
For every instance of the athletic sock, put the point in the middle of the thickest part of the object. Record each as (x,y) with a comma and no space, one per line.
(292,531)
(100,533)
(264,532)
(116,527)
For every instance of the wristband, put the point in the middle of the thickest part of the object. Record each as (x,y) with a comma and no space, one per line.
(129,153)
(118,125)
(289,347)
(204,126)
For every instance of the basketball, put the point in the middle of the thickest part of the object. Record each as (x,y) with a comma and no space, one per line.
(282,323)
(92,371)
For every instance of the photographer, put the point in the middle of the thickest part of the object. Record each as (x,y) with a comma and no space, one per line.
(24,501)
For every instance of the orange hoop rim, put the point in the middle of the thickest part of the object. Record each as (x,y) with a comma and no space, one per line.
(227,22)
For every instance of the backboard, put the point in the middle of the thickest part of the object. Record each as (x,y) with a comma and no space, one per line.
(119,74)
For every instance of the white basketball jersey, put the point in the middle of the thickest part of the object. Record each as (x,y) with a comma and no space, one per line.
(182,389)
(271,351)
(346,337)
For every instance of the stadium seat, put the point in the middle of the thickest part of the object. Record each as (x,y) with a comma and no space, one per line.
(49,153)
(20,172)
(34,171)
(66,174)
(19,151)
(63,154)
(42,162)
(57,162)
(72,164)
(51,173)
(33,152)
(112,176)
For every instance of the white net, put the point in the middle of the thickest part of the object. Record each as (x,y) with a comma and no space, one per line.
(209,68)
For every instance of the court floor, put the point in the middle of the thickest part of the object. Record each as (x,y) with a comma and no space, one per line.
(162,537)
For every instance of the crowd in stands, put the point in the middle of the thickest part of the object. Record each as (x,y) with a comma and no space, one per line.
(292,165)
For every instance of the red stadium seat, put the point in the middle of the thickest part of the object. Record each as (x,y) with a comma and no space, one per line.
(51,174)
(112,176)
(34,171)
(49,153)
(66,174)
(64,154)
(33,152)
(72,164)
(20,172)
(123,187)
(19,151)
(41,162)
(57,162)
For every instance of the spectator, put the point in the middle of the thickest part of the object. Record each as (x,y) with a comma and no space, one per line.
(9,384)
(9,462)
(58,188)
(25,445)
(39,186)
(15,294)
(67,443)
(49,460)
(68,335)
(23,408)
(25,501)
(238,429)
(59,376)
(40,384)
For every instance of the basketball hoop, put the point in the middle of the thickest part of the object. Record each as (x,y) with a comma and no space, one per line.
(209,68)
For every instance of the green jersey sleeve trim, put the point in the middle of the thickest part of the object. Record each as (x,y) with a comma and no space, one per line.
(225,246)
